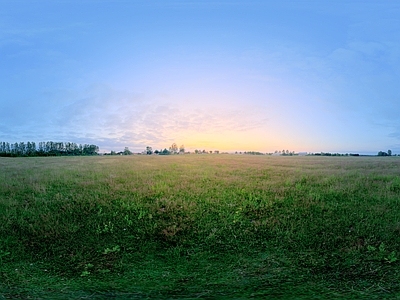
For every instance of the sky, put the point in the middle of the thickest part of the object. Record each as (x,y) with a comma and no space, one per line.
(222,75)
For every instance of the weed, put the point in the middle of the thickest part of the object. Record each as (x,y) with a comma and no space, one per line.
(86,271)
(112,250)
(382,254)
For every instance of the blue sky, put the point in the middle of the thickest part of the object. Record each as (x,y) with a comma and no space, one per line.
(217,75)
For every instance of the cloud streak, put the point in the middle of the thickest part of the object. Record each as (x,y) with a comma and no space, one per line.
(116,118)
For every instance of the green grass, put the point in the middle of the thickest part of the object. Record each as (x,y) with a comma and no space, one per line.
(200,226)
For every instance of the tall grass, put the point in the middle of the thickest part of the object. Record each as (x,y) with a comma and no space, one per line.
(200,226)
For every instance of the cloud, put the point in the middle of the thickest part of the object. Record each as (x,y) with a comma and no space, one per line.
(112,118)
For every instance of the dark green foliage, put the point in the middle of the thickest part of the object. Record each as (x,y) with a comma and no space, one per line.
(46,149)
(382,153)
(127,151)
(164,152)
(149,150)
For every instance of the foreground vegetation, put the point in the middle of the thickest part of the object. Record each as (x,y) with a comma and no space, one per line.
(200,227)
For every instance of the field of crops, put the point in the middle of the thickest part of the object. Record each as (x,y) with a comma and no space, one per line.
(200,226)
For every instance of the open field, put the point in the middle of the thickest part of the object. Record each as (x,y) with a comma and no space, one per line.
(200,226)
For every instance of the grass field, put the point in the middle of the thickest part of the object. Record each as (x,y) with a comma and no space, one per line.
(200,226)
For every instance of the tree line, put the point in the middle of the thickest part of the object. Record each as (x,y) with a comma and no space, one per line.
(174,149)
(46,149)
(382,153)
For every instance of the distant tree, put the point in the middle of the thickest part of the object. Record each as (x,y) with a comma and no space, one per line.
(389,152)
(15,149)
(156,152)
(22,149)
(149,150)
(196,151)
(381,153)
(127,151)
(216,151)
(30,149)
(5,149)
(173,149)
(182,149)
(253,153)
(165,152)
(90,149)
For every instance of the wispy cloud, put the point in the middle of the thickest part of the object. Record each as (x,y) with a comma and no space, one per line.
(114,118)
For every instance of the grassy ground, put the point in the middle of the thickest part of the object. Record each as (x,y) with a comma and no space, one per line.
(200,226)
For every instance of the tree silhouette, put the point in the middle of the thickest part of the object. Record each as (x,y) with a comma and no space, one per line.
(174,148)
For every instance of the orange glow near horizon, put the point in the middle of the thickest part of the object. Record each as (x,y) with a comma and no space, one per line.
(252,140)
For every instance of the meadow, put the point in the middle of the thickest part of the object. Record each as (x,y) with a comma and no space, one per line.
(200,226)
